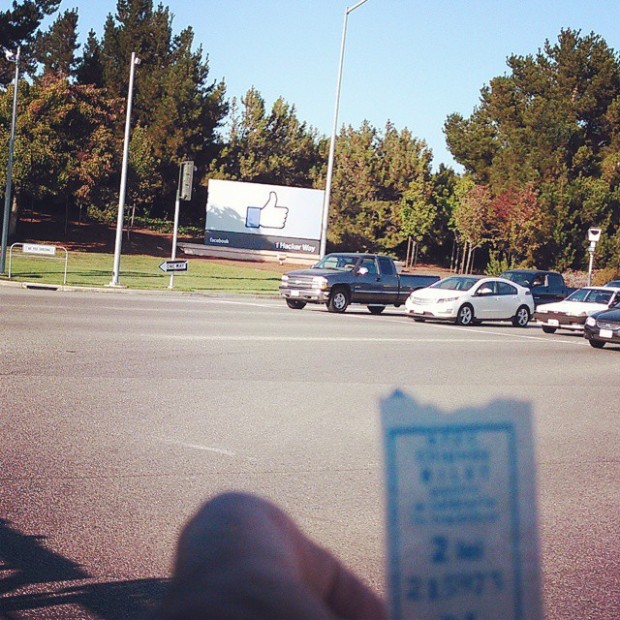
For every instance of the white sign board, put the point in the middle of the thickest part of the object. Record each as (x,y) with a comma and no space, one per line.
(263,217)
(33,248)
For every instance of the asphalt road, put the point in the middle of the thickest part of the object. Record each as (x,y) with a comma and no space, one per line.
(122,412)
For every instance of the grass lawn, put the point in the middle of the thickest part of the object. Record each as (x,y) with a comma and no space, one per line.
(140,272)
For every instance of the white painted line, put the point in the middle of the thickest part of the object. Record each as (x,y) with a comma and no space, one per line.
(578,341)
(195,446)
(274,304)
(216,338)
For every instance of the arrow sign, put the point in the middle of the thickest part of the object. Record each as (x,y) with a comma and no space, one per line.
(174,265)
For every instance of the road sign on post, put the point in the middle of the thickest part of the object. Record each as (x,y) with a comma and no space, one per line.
(174,265)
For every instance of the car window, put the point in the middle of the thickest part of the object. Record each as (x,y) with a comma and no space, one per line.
(519,277)
(369,263)
(600,297)
(579,295)
(591,296)
(555,280)
(455,283)
(386,266)
(336,261)
(503,288)
(488,285)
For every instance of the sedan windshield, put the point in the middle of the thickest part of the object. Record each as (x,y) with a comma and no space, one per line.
(591,296)
(456,283)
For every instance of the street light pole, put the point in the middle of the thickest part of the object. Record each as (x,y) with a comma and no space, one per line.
(121,198)
(332,143)
(9,168)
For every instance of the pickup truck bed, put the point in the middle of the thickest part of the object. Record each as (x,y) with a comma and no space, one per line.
(338,280)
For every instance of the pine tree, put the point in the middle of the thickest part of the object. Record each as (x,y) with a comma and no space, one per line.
(18,28)
(89,68)
(55,49)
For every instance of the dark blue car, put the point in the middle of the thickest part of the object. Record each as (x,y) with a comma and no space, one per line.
(603,327)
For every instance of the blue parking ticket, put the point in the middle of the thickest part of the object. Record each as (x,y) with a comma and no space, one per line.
(462,531)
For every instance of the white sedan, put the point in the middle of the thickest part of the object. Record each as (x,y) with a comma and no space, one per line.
(467,300)
(571,313)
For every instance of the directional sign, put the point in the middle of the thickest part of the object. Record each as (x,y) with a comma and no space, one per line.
(174,265)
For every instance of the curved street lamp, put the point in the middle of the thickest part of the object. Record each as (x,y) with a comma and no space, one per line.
(11,57)
(121,198)
(332,144)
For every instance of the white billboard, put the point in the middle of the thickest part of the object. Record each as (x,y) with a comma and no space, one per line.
(257,216)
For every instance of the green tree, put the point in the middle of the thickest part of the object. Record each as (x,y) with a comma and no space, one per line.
(18,28)
(475,220)
(55,49)
(551,123)
(89,69)
(268,148)
(174,102)
(65,150)
(379,179)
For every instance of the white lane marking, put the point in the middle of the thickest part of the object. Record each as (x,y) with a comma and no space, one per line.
(332,339)
(195,446)
(231,302)
(513,335)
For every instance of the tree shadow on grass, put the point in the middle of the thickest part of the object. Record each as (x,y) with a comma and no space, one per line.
(34,579)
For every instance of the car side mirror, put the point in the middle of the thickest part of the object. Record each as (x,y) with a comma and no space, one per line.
(485,291)
(362,271)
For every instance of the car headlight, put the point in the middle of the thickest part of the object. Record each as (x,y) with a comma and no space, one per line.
(591,321)
(319,282)
(284,278)
(445,300)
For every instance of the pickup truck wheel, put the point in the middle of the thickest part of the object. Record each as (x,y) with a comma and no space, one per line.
(522,317)
(295,304)
(338,300)
(465,315)
(549,330)
(376,309)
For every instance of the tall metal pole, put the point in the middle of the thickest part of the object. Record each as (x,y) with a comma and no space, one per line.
(332,143)
(591,249)
(175,227)
(9,169)
(121,198)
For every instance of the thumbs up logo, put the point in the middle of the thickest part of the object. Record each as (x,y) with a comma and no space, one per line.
(271,215)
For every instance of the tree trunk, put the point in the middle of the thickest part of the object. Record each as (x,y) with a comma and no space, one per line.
(408,257)
(14,216)
(465,257)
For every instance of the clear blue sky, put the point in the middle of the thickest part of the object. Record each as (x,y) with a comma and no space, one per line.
(407,61)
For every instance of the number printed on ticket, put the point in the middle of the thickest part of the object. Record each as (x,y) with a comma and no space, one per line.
(461,512)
